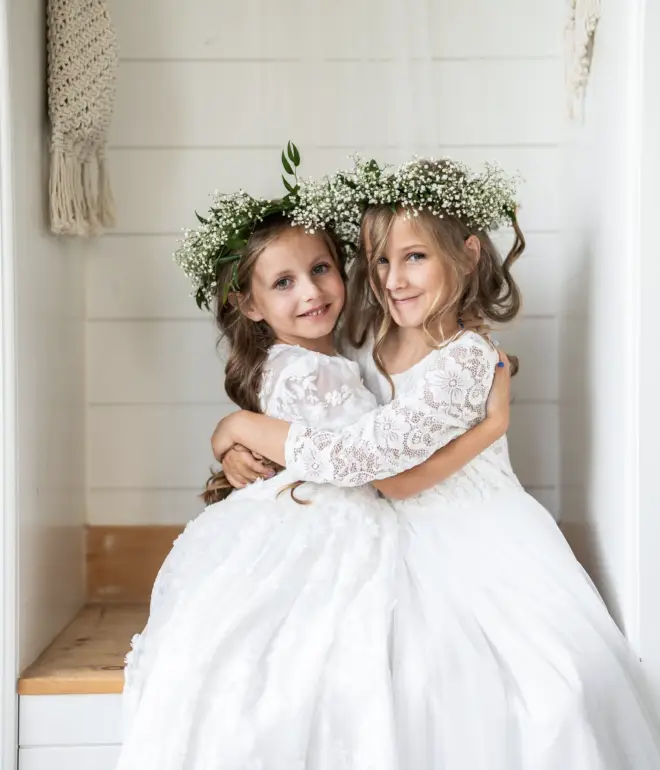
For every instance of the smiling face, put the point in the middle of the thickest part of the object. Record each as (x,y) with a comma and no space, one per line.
(413,273)
(297,289)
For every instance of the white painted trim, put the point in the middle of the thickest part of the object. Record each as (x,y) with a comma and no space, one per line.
(70,720)
(649,362)
(631,321)
(8,444)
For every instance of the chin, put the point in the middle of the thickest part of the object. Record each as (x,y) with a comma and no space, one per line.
(406,321)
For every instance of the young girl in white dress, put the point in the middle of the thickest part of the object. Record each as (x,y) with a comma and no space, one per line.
(267,644)
(503,655)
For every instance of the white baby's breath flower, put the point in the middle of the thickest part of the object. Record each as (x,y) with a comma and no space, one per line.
(445,187)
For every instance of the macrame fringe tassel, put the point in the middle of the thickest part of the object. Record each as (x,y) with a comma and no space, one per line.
(89,197)
(78,206)
(580,33)
(106,203)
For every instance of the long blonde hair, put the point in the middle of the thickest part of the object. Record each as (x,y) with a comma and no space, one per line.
(250,341)
(486,290)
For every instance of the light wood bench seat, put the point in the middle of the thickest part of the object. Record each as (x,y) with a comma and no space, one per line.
(88,656)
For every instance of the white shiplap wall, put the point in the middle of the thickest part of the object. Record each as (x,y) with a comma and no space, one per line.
(208,94)
(50,329)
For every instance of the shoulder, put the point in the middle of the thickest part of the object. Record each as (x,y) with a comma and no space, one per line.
(290,362)
(471,349)
(469,359)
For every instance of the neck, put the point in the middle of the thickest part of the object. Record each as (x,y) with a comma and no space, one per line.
(325,345)
(418,338)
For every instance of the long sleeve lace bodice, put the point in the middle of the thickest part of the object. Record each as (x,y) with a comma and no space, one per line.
(436,401)
(301,386)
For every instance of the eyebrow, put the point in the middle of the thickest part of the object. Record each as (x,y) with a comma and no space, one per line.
(413,246)
(289,270)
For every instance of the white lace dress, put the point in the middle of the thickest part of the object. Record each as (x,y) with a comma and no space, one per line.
(504,656)
(267,641)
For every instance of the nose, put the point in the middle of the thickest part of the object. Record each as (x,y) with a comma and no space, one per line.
(395,278)
(310,289)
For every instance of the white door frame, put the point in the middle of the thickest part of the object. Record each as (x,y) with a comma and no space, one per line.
(648,369)
(8,445)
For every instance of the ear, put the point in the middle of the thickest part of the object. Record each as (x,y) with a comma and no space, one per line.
(473,247)
(246,306)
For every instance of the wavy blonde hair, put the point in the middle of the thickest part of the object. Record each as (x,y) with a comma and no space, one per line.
(485,291)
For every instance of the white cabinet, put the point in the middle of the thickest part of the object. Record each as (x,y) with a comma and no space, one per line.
(69,732)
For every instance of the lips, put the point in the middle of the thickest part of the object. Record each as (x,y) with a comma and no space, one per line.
(404,300)
(315,312)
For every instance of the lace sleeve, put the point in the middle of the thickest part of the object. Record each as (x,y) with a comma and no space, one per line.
(305,387)
(449,398)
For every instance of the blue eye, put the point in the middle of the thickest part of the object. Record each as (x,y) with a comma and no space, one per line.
(382,261)
(283,283)
(320,269)
(416,256)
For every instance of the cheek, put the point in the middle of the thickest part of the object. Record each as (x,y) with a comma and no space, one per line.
(433,277)
(334,285)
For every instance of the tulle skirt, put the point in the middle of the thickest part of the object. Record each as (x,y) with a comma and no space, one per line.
(267,646)
(503,654)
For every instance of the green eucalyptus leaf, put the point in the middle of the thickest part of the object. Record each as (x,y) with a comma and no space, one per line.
(286,164)
(296,154)
(201,219)
(288,185)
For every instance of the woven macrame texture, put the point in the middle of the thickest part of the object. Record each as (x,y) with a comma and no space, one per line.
(583,16)
(82,66)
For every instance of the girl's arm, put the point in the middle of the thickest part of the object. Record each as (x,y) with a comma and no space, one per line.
(444,463)
(458,453)
(449,399)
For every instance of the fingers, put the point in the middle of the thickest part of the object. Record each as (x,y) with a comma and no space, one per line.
(241,467)
(238,482)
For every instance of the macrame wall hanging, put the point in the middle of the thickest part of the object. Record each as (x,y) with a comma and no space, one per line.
(583,16)
(82,65)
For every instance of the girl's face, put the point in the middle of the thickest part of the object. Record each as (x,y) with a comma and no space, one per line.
(412,273)
(297,290)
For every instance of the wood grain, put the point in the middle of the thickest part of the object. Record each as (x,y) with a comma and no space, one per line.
(122,562)
(88,656)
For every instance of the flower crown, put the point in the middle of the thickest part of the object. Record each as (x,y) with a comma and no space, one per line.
(224,232)
(483,201)
(445,188)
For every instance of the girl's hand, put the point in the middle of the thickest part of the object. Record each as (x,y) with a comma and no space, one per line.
(242,467)
(222,439)
(498,407)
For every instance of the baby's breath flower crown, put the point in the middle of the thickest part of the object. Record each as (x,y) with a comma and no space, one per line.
(445,187)
(224,232)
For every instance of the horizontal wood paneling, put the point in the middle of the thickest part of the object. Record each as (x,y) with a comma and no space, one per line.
(144,506)
(168,447)
(130,277)
(207,95)
(178,506)
(256,29)
(167,103)
(176,362)
(158,191)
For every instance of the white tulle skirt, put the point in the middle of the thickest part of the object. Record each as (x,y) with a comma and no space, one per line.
(267,646)
(504,656)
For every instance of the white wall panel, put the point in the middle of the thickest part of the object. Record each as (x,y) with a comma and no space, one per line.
(254,29)
(158,190)
(207,96)
(252,104)
(131,277)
